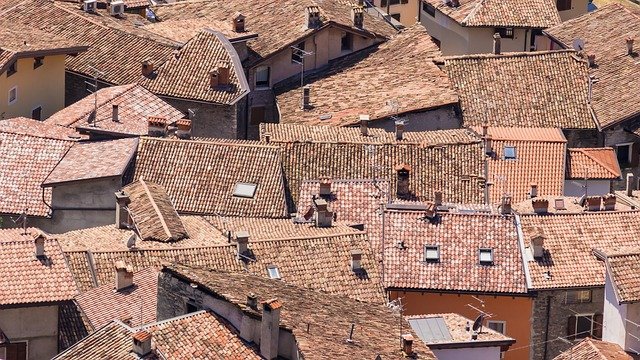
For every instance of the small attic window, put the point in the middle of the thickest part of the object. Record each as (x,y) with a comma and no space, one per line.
(273,271)
(559,204)
(245,190)
(510,152)
(486,256)
(432,253)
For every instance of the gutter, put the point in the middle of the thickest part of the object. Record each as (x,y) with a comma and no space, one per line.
(525,262)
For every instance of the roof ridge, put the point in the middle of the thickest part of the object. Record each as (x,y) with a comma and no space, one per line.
(166,321)
(472,13)
(234,143)
(585,152)
(309,237)
(509,54)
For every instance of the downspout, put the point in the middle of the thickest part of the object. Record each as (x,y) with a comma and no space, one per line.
(546,328)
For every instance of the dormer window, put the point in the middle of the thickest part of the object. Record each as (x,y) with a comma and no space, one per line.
(13,68)
(486,256)
(432,253)
(245,190)
(509,152)
(274,272)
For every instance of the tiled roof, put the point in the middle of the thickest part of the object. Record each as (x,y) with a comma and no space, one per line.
(592,349)
(186,74)
(208,174)
(456,328)
(73,325)
(592,163)
(182,30)
(570,205)
(539,158)
(27,279)
(569,240)
(152,211)
(135,305)
(135,105)
(397,78)
(616,89)
(93,160)
(278,24)
(271,229)
(317,333)
(623,270)
(540,89)
(501,13)
(27,155)
(459,237)
(199,335)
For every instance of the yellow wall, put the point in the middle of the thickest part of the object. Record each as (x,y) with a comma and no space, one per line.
(578,8)
(408,12)
(516,311)
(43,86)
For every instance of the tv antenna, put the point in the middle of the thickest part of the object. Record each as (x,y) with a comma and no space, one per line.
(578,44)
(297,57)
(397,308)
(22,219)
(96,73)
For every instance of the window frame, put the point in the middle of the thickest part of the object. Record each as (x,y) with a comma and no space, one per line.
(431,247)
(263,84)
(348,36)
(578,299)
(506,32)
(237,194)
(515,152)
(629,154)
(36,108)
(501,322)
(15,89)
(577,335)
(276,270)
(485,250)
(26,347)
(295,57)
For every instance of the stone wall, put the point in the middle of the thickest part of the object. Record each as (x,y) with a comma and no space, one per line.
(617,135)
(76,87)
(209,120)
(583,138)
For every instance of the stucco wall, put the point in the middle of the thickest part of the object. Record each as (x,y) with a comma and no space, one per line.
(435,119)
(614,314)
(408,12)
(43,87)
(211,120)
(37,325)
(479,353)
(593,187)
(578,8)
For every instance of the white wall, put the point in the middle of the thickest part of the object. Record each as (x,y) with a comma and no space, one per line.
(37,325)
(594,187)
(481,353)
(633,331)
(613,329)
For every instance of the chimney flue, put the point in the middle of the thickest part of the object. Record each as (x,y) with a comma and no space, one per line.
(252,301)
(38,242)
(224,73)
(407,344)
(306,97)
(399,129)
(270,328)
(242,242)
(114,114)
(593,203)
(238,22)
(437,198)
(533,192)
(591,60)
(630,41)
(122,215)
(609,201)
(141,343)
(214,79)
(313,17)
(364,125)
(157,126)
(357,16)
(147,67)
(184,129)
(356,260)
(537,245)
(402,173)
(325,187)
(505,205)
(324,215)
(496,43)
(540,206)
(124,275)
(629,184)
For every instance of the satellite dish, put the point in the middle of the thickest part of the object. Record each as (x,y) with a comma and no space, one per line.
(578,44)
(131,242)
(477,324)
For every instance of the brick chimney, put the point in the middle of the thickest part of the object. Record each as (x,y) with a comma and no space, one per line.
(533,190)
(357,16)
(238,22)
(630,46)
(214,79)
(496,43)
(124,275)
(324,215)
(356,260)
(488,147)
(270,328)
(147,67)
(609,201)
(437,198)
(407,344)
(141,343)
(114,113)
(224,73)
(183,130)
(313,17)
(403,172)
(306,97)
(364,125)
(540,206)
(38,242)
(629,184)
(122,215)
(242,242)
(505,205)
(157,126)
(537,245)
(325,187)
(593,203)
(455,3)
(591,60)
(399,129)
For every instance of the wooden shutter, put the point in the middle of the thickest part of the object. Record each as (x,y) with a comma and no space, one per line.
(597,326)
(635,152)
(571,327)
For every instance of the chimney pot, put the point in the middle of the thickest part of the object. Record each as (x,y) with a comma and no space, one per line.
(609,201)
(407,344)
(124,275)
(364,125)
(488,147)
(540,206)
(455,3)
(238,22)
(533,192)
(356,260)
(399,129)
(122,215)
(306,97)
(537,245)
(591,60)
(593,203)
(496,43)
(629,184)
(270,328)
(357,16)
(38,241)
(630,41)
(184,129)
(485,129)
(325,187)
(474,335)
(157,126)
(224,73)
(438,198)
(242,241)
(252,301)
(313,17)
(505,205)
(402,181)
(214,79)
(324,215)
(147,67)
(142,343)
(114,114)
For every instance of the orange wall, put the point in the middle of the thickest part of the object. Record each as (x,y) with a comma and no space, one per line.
(516,311)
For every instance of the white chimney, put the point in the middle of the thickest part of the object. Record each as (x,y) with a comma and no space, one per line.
(356,260)
(324,215)
(141,343)
(630,46)
(38,242)
(407,344)
(505,205)
(122,215)
(496,43)
(313,17)
(609,201)
(242,242)
(114,114)
(399,129)
(537,245)
(357,16)
(183,130)
(629,184)
(325,187)
(402,179)
(533,192)
(540,206)
(124,275)
(364,125)
(270,328)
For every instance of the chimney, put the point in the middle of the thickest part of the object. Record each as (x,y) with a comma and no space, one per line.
(407,344)
(505,205)
(593,203)
(214,79)
(402,173)
(399,129)
(474,335)
(224,73)
(357,16)
(238,22)
(38,242)
(114,114)
(629,184)
(147,67)
(496,43)
(324,215)
(455,3)
(485,129)
(356,260)
(325,187)
(437,196)
(124,275)
(252,301)
(122,215)
(364,125)
(242,242)
(533,192)
(267,137)
(540,206)
(306,97)
(142,343)
(591,60)
(157,126)
(270,328)
(537,245)
(609,201)
(313,17)
(488,149)
(630,46)
(184,129)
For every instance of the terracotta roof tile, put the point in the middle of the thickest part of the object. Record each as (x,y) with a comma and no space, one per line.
(592,163)
(209,172)
(623,271)
(592,349)
(399,71)
(616,91)
(541,89)
(456,327)
(102,344)
(73,325)
(569,205)
(271,229)
(182,30)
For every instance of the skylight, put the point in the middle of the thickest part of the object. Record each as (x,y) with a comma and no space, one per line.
(486,256)
(432,253)
(273,271)
(510,152)
(245,190)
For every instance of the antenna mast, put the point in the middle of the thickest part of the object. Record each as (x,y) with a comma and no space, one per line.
(96,74)
(298,58)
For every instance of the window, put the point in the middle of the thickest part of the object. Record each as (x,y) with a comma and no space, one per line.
(428,8)
(245,190)
(37,62)
(623,152)
(505,33)
(347,42)
(36,114)
(297,53)
(563,5)
(559,204)
(14,351)
(13,68)
(13,95)
(583,325)
(273,271)
(577,297)
(499,326)
(190,306)
(486,256)
(262,76)
(509,152)
(432,253)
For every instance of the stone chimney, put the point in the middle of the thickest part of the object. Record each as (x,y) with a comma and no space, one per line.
(455,3)
(364,125)
(356,260)
(38,242)
(325,187)
(629,184)
(437,198)
(609,201)
(238,22)
(306,97)
(242,242)
(591,60)
(357,16)
(313,17)
(252,301)
(496,43)
(124,275)
(224,73)
(214,78)
(593,203)
(114,113)
(488,146)
(183,130)
(122,215)
(324,215)
(399,129)
(533,190)
(141,343)
(270,328)
(407,344)
(537,245)
(157,126)
(147,67)
(540,206)
(402,177)
(505,205)
(630,46)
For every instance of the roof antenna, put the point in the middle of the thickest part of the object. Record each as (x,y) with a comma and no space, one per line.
(96,73)
(22,219)
(350,339)
(397,308)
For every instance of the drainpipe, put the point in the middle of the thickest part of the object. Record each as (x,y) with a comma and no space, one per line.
(546,330)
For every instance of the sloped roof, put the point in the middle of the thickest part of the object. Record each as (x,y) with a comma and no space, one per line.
(272,229)
(456,328)
(592,163)
(616,89)
(73,325)
(208,173)
(623,269)
(135,105)
(592,349)
(399,71)
(535,89)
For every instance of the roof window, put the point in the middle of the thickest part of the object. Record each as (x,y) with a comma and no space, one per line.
(559,204)
(486,256)
(245,190)
(432,253)
(510,152)
(273,271)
